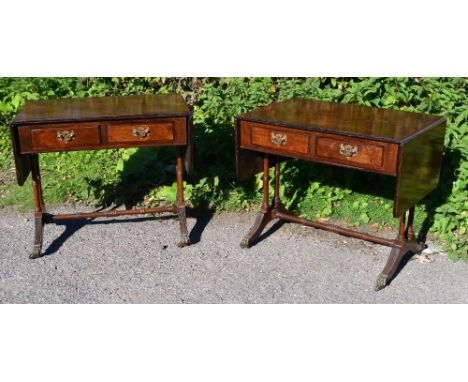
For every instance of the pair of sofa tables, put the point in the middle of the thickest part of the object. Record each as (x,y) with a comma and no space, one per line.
(404,145)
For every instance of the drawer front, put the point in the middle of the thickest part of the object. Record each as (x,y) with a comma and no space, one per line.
(373,155)
(147,131)
(360,153)
(103,135)
(64,136)
(275,139)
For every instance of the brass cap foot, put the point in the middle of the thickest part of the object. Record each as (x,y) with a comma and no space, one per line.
(244,244)
(36,253)
(381,282)
(183,243)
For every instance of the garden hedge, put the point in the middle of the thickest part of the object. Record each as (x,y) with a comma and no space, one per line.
(146,176)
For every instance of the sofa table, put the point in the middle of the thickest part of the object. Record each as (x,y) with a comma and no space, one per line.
(101,123)
(404,145)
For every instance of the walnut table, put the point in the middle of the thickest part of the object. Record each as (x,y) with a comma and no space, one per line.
(404,145)
(100,123)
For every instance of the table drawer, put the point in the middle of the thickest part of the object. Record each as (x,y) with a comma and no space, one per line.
(373,155)
(147,131)
(63,137)
(275,139)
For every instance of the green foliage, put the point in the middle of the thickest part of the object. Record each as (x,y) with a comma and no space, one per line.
(146,176)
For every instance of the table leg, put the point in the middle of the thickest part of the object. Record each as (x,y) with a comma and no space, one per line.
(265,214)
(408,244)
(278,205)
(184,238)
(38,208)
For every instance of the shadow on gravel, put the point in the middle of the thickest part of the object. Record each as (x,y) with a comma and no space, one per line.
(72,226)
(407,257)
(270,231)
(202,217)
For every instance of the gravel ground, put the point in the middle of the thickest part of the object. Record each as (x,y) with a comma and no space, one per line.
(137,261)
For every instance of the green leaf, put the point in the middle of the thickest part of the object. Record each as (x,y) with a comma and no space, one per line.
(364,218)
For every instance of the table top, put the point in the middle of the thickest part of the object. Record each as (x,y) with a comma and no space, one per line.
(102,108)
(355,120)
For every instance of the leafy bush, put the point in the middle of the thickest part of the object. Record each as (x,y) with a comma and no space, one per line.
(314,190)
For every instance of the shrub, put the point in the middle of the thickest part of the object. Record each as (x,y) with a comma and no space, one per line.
(314,190)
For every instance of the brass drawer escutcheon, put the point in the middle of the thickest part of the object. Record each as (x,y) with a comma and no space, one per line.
(279,139)
(141,132)
(348,150)
(65,135)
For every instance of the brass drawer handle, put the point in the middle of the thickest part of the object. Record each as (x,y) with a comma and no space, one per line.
(279,139)
(141,132)
(65,135)
(348,150)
